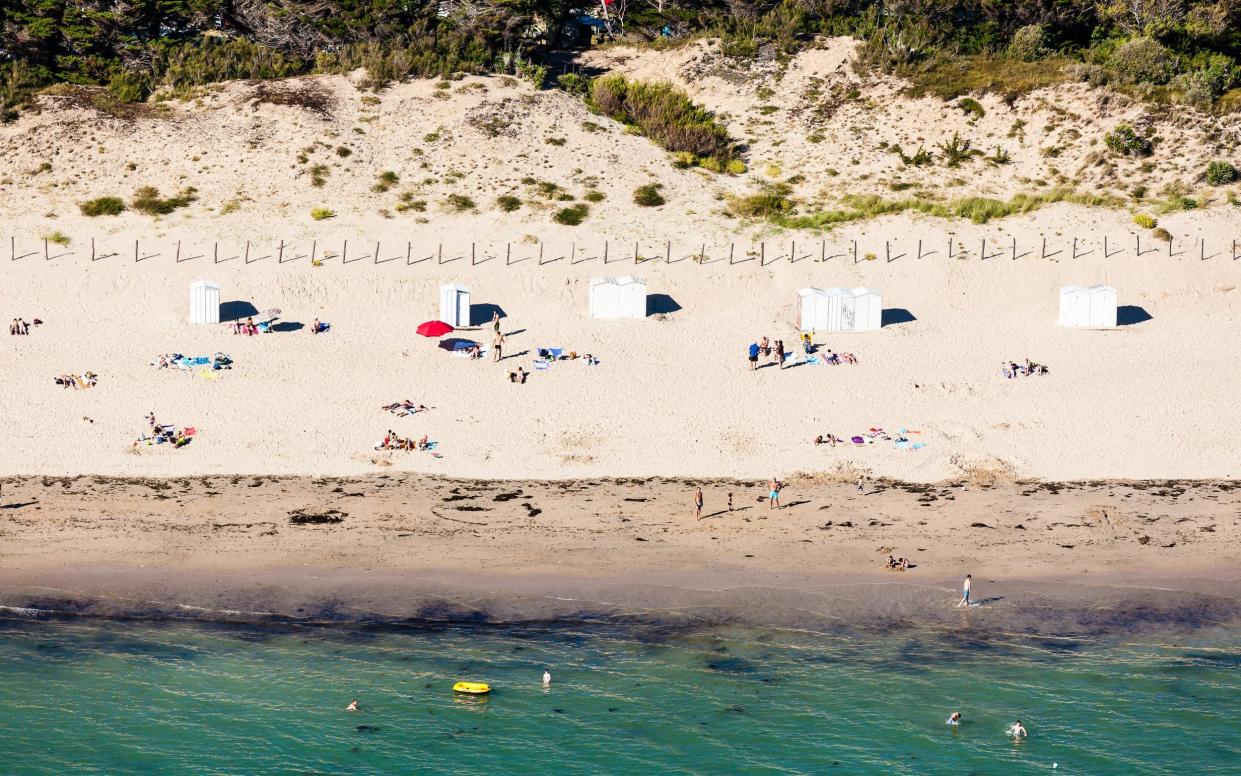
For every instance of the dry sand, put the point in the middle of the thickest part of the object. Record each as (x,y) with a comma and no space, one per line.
(673,395)
(1051,557)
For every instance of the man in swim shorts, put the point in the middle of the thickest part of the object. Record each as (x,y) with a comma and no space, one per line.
(1017,730)
(965,591)
(753,356)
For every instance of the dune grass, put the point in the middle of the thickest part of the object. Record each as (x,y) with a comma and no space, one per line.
(980,210)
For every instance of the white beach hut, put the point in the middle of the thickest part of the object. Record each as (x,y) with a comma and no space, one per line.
(455,304)
(1088,308)
(868,309)
(204,302)
(812,302)
(617,297)
(847,309)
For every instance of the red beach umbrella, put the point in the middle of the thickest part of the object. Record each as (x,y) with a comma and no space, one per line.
(434,329)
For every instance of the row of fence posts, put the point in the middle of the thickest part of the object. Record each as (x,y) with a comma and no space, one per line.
(956,251)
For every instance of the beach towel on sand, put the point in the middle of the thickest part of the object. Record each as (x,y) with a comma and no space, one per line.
(541,365)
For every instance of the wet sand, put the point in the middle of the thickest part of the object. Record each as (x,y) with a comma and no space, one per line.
(1055,558)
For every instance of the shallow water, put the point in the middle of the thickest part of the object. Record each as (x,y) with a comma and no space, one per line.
(125,697)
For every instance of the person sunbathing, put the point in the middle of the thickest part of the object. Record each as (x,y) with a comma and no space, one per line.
(518,377)
(423,443)
(828,439)
(833,358)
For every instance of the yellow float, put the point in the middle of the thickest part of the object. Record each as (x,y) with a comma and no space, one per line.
(472,688)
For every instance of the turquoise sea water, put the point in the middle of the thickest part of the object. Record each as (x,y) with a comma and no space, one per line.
(124,697)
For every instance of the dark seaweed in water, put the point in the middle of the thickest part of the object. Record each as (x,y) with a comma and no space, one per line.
(326,517)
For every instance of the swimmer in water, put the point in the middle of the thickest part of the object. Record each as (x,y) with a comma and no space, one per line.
(547,677)
(353,705)
(1017,730)
(955,719)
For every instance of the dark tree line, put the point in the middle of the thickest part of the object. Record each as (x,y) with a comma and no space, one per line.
(135,46)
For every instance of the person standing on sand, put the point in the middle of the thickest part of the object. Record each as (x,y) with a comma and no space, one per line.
(753,356)
(698,504)
(965,591)
(497,346)
(779,354)
(774,500)
(861,485)
(730,503)
(495,322)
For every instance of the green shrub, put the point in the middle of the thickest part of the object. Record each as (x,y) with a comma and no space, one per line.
(1145,221)
(458,202)
(772,202)
(344,152)
(322,213)
(57,237)
(1220,173)
(574,84)
(957,150)
(648,195)
(130,86)
(572,215)
(1162,234)
(735,167)
(148,200)
(594,195)
(386,180)
(408,203)
(971,107)
(508,203)
(1142,61)
(318,175)
(1028,43)
(665,114)
(1126,141)
(102,206)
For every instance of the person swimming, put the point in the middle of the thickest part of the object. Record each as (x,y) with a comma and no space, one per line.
(955,719)
(353,705)
(1017,730)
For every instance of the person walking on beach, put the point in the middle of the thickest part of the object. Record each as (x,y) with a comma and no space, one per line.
(861,485)
(774,500)
(965,591)
(779,354)
(497,346)
(730,503)
(753,356)
(698,504)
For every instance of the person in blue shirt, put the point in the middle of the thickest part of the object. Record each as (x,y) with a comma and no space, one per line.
(753,356)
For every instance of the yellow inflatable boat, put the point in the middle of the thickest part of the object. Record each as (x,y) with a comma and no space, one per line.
(472,688)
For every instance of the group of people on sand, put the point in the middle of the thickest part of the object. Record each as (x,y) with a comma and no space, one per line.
(164,433)
(778,355)
(78,382)
(247,327)
(394,442)
(407,407)
(1012,369)
(20,328)
(765,348)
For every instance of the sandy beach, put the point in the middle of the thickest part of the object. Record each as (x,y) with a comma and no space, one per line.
(1048,558)
(672,394)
